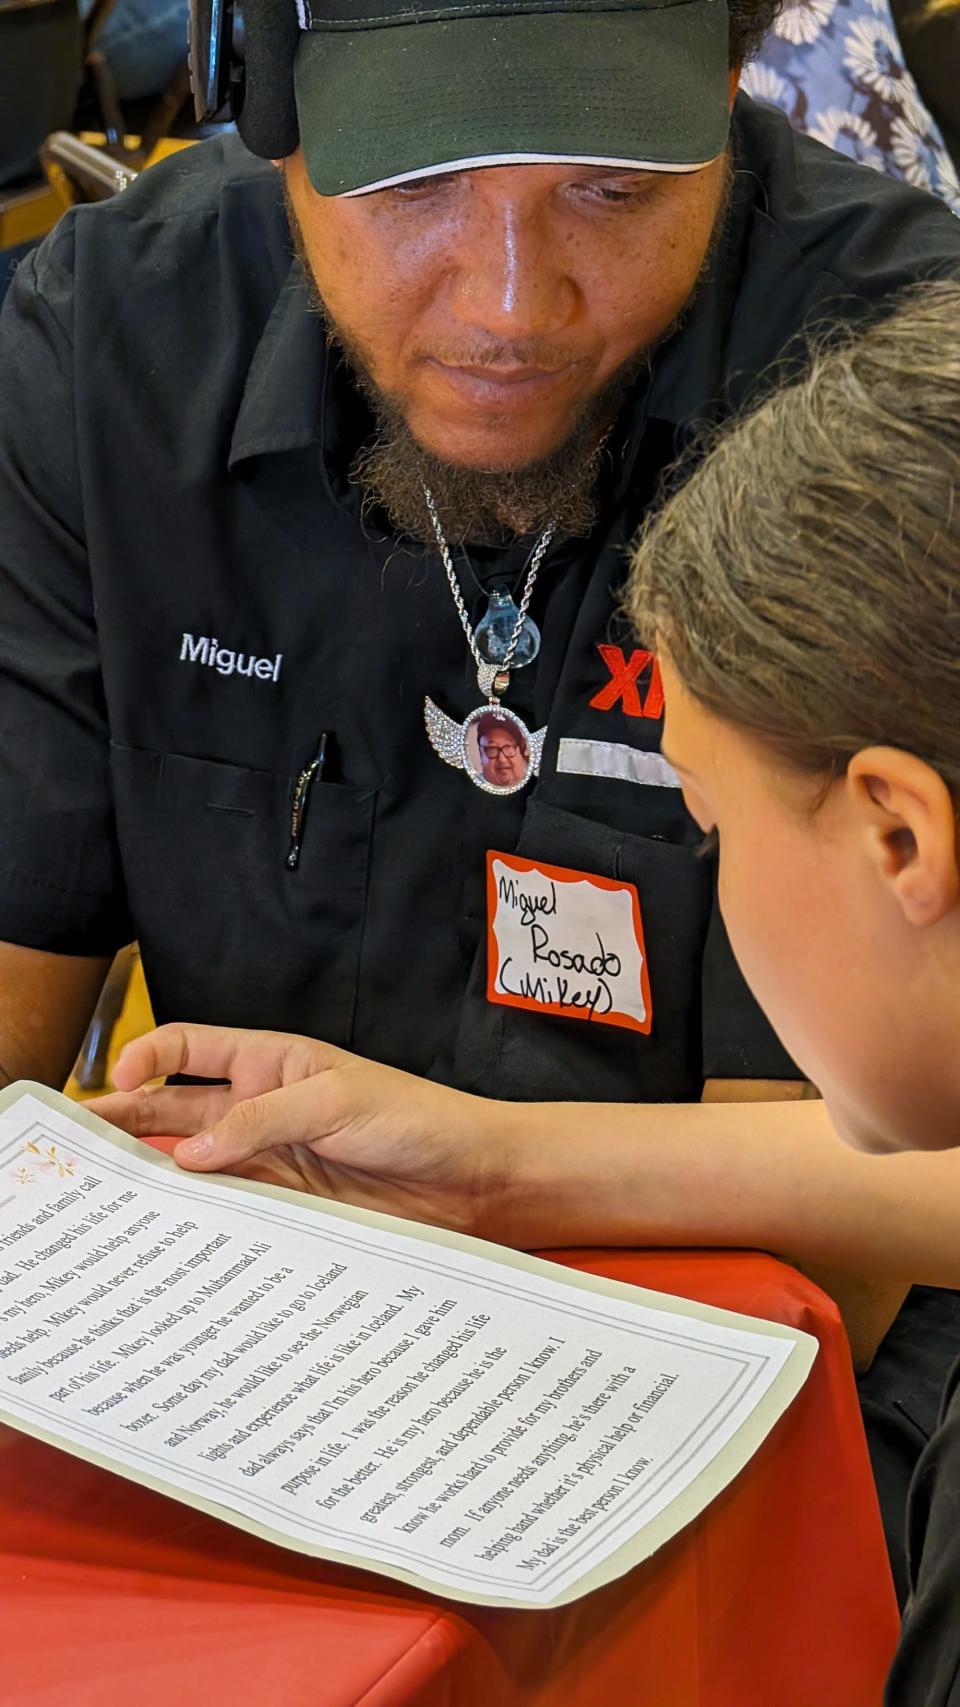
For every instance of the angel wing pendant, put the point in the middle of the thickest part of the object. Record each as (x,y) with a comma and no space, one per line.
(494,747)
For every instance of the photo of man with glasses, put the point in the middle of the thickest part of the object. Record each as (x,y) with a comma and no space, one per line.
(503,750)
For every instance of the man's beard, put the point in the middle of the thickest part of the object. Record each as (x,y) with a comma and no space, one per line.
(485,506)
(481,506)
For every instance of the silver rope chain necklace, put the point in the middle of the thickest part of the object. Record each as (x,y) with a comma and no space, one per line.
(495,747)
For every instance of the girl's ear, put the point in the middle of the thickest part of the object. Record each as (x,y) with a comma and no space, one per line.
(908,822)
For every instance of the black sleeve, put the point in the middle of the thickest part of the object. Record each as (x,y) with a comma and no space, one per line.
(60,881)
(926,1668)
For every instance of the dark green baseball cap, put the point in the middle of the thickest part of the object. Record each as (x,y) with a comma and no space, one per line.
(389,90)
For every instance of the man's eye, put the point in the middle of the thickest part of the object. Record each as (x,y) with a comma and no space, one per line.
(415,188)
(610,196)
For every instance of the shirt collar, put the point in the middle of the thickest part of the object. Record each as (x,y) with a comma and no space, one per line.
(689,380)
(297,392)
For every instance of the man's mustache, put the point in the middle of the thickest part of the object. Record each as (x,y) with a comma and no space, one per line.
(548,358)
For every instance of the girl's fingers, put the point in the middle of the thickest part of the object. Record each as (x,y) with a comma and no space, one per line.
(207,1051)
(164,1111)
(303,1113)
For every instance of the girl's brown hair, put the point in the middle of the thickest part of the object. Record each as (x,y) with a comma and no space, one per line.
(806,580)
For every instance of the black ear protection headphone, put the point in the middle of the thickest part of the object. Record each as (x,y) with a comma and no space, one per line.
(241,57)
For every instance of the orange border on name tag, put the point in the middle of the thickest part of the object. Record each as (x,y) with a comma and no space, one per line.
(564,874)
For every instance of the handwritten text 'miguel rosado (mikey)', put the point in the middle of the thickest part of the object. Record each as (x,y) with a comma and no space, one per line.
(553,968)
(567,942)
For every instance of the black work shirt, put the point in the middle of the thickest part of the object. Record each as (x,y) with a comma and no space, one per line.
(926,1669)
(175,445)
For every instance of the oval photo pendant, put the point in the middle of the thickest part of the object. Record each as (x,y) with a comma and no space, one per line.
(497,753)
(494,747)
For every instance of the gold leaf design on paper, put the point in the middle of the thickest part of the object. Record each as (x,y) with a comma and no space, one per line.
(65,1166)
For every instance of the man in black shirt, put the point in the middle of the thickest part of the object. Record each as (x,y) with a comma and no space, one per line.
(257,507)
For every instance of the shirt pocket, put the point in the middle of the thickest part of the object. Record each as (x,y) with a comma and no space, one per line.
(521,1055)
(229,935)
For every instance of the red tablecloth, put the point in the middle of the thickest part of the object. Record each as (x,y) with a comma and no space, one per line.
(778,1596)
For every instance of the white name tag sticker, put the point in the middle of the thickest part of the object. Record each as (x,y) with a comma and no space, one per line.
(566,942)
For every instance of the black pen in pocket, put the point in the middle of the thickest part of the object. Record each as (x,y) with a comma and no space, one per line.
(301,794)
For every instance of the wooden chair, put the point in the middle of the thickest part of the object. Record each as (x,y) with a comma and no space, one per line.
(89,165)
(90,1071)
(43,37)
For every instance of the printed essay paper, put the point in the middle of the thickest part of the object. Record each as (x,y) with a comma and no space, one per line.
(476,1422)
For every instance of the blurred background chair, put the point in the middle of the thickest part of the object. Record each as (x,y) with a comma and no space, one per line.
(143,42)
(41,63)
(110,73)
(122,1012)
(41,66)
(80,171)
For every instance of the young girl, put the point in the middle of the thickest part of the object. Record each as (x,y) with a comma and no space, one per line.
(804,589)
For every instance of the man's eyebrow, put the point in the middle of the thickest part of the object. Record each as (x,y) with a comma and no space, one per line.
(621,171)
(425,178)
(591,171)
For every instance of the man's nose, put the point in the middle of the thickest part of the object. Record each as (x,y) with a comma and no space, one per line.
(512,279)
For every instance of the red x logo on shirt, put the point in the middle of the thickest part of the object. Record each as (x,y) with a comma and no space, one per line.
(623,683)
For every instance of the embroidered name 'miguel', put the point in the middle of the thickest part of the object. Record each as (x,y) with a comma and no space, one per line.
(203,650)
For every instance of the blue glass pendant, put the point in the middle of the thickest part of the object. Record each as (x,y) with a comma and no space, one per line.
(494,631)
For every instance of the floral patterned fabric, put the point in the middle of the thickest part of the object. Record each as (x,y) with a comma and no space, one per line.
(836,69)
